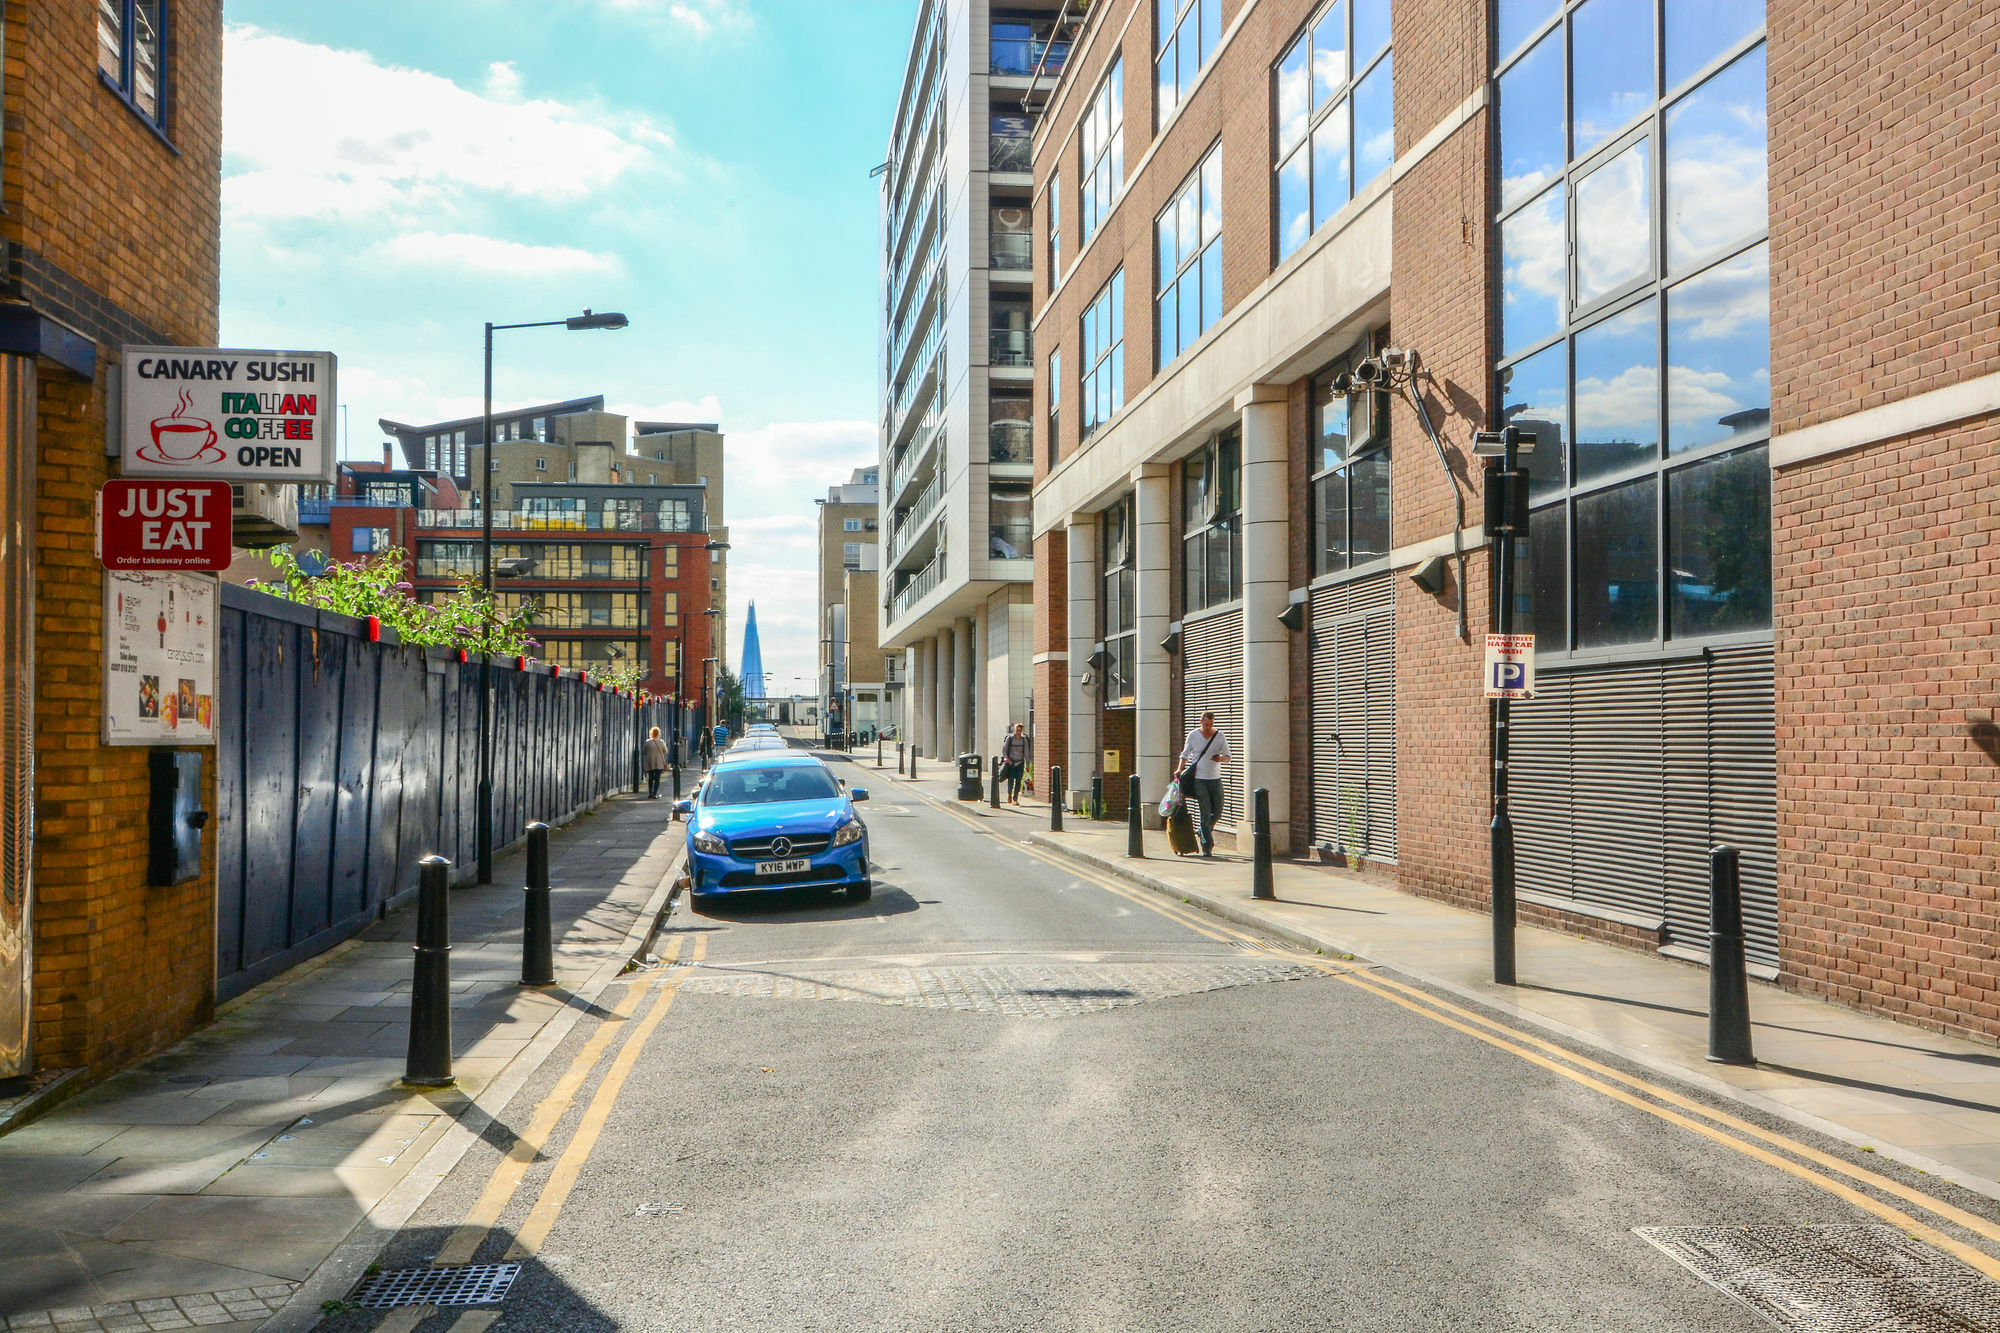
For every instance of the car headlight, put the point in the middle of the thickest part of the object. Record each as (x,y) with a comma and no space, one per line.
(851,831)
(708,842)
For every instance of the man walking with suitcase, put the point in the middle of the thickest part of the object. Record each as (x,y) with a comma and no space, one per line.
(1200,775)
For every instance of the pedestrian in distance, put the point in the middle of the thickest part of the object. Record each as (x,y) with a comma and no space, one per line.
(1014,761)
(653,758)
(1200,774)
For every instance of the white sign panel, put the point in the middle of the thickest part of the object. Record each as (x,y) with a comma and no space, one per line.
(226,414)
(160,649)
(1510,666)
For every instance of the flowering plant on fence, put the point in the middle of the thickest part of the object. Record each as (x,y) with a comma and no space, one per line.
(377,586)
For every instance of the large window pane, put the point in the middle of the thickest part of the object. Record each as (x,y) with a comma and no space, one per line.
(1617,566)
(1375,122)
(1700,30)
(1618,393)
(1170,327)
(1614,227)
(1719,545)
(1612,64)
(1531,121)
(1190,303)
(1535,394)
(1294,203)
(1371,29)
(1719,354)
(1329,425)
(1717,193)
(1329,150)
(1294,95)
(1221,571)
(1368,506)
(1548,577)
(1533,257)
(1518,19)
(1170,253)
(1211,196)
(1211,283)
(1329,54)
(1329,500)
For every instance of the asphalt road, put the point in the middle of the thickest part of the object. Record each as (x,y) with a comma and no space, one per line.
(999,1096)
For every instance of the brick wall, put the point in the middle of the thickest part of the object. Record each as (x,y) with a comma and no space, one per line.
(1439,306)
(1885,133)
(1051,677)
(111,231)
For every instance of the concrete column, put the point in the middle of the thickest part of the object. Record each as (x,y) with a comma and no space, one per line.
(941,687)
(1084,581)
(917,697)
(983,702)
(1266,758)
(1154,721)
(968,655)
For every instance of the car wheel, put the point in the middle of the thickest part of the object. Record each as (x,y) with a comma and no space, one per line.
(698,902)
(860,893)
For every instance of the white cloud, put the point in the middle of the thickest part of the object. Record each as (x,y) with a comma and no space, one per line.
(697,17)
(492,255)
(359,139)
(1620,407)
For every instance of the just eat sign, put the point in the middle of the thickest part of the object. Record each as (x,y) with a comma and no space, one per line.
(164,524)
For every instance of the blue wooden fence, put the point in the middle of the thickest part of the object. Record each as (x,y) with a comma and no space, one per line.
(340,762)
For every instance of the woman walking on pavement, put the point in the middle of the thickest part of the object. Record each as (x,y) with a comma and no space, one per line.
(1201,777)
(653,757)
(1014,761)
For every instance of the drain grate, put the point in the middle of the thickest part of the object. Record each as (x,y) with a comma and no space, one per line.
(469,1284)
(1836,1279)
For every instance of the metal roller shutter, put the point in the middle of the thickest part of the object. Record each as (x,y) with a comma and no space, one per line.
(1625,776)
(1353,716)
(1212,681)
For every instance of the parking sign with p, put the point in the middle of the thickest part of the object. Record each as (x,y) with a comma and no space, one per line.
(1510,666)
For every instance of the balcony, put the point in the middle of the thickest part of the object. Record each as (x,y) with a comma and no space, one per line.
(1013,250)
(920,586)
(1010,442)
(913,520)
(1011,347)
(1016,57)
(516,520)
(1010,151)
(1012,540)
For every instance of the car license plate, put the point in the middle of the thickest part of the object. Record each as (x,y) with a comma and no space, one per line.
(792,867)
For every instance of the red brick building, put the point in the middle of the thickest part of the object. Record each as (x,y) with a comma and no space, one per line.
(111,187)
(1744,298)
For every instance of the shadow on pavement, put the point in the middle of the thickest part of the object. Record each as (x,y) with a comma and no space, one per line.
(805,905)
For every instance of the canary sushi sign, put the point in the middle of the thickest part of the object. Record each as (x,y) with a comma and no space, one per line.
(226,414)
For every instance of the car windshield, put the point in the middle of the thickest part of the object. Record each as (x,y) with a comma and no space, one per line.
(768,786)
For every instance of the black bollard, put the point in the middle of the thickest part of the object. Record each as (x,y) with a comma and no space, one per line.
(538,944)
(899,759)
(1135,841)
(1728,982)
(429,1062)
(677,775)
(1097,796)
(993,785)
(1055,798)
(1260,845)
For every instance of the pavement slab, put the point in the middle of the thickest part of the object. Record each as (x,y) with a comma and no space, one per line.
(202,1188)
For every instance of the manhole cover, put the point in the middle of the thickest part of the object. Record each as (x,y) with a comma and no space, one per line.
(1054,991)
(469,1284)
(1836,1279)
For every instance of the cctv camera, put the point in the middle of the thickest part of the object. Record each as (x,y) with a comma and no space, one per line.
(1395,358)
(1367,373)
(1342,386)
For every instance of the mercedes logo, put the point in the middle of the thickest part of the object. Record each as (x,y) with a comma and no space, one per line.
(781,846)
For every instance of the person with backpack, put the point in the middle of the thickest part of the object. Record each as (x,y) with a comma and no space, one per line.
(1200,775)
(1014,761)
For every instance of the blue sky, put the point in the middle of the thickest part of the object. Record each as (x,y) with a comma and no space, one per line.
(396,174)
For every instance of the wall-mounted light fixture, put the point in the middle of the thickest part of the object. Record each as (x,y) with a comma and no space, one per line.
(1430,575)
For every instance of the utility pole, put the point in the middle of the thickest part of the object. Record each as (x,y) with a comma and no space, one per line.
(1506,520)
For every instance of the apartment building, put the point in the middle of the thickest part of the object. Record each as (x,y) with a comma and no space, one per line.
(1293,254)
(849,532)
(576,440)
(956,451)
(110,208)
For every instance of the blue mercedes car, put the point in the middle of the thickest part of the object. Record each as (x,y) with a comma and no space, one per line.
(775,820)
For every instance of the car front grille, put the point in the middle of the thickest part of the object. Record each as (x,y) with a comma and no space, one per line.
(759,849)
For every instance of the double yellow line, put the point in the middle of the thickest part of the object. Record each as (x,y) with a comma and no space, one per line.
(506,1180)
(1754,1141)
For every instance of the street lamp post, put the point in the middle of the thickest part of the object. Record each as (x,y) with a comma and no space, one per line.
(483,831)
(1506,521)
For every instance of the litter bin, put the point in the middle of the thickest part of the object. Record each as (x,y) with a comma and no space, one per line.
(971,782)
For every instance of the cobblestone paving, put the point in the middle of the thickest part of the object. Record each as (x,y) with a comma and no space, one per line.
(175,1312)
(1013,991)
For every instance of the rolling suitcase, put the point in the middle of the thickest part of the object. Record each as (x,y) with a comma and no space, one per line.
(1180,831)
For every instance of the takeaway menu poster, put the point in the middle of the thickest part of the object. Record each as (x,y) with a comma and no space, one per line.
(159,659)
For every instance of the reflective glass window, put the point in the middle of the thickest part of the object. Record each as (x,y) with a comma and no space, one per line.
(1517,20)
(1534,393)
(1371,28)
(1617,566)
(1719,354)
(1618,393)
(1335,90)
(1534,254)
(1531,120)
(1186,37)
(1102,136)
(1375,122)
(1329,54)
(1718,194)
(1548,576)
(1614,245)
(1719,544)
(1611,68)
(1700,30)
(1330,168)
(1350,496)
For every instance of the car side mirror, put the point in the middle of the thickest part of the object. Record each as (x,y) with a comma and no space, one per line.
(683,807)
(858,794)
